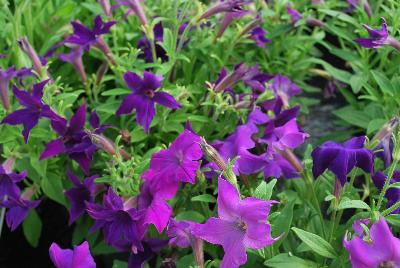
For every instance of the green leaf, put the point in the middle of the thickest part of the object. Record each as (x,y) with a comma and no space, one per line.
(206,198)
(286,260)
(116,92)
(53,188)
(281,225)
(316,243)
(190,216)
(356,82)
(375,124)
(383,82)
(32,227)
(353,116)
(344,204)
(264,190)
(119,264)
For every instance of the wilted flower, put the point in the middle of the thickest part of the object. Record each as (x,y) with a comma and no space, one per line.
(81,192)
(392,194)
(144,97)
(342,158)
(86,37)
(379,248)
(74,57)
(34,109)
(136,7)
(119,223)
(79,257)
(176,164)
(31,53)
(241,224)
(354,4)
(284,88)
(73,140)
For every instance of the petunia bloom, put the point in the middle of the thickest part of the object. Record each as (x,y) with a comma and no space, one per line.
(258,35)
(392,194)
(380,248)
(34,109)
(145,46)
(284,88)
(79,257)
(378,37)
(81,192)
(144,96)
(118,222)
(74,57)
(8,183)
(176,164)
(224,6)
(240,224)
(342,158)
(73,140)
(85,37)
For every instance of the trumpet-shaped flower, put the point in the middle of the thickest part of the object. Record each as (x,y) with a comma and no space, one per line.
(79,257)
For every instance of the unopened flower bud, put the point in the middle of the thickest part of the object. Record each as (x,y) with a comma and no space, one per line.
(212,155)
(387,130)
(101,72)
(31,53)
(106,145)
(292,159)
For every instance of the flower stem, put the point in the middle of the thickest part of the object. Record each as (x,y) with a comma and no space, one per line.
(391,209)
(386,185)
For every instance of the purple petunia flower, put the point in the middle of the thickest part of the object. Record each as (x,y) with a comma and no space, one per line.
(176,164)
(81,192)
(151,246)
(85,37)
(342,158)
(284,88)
(258,35)
(354,4)
(295,15)
(73,140)
(119,223)
(18,208)
(144,97)
(377,249)
(8,183)
(180,233)
(392,194)
(151,202)
(229,17)
(74,57)
(34,109)
(241,224)
(79,257)
(145,46)
(377,37)
(136,7)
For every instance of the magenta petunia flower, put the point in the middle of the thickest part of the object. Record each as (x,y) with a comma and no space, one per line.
(118,222)
(240,224)
(18,209)
(34,109)
(79,257)
(377,249)
(81,192)
(73,140)
(152,203)
(144,97)
(342,158)
(74,57)
(284,88)
(176,164)
(392,194)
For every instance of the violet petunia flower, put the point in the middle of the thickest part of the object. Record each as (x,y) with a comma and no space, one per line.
(144,96)
(284,88)
(380,248)
(136,7)
(342,158)
(295,15)
(258,35)
(180,233)
(118,222)
(74,57)
(152,203)
(176,164)
(79,257)
(241,224)
(85,37)
(392,194)
(18,209)
(145,46)
(34,109)
(81,193)
(151,246)
(8,183)
(354,4)
(73,141)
